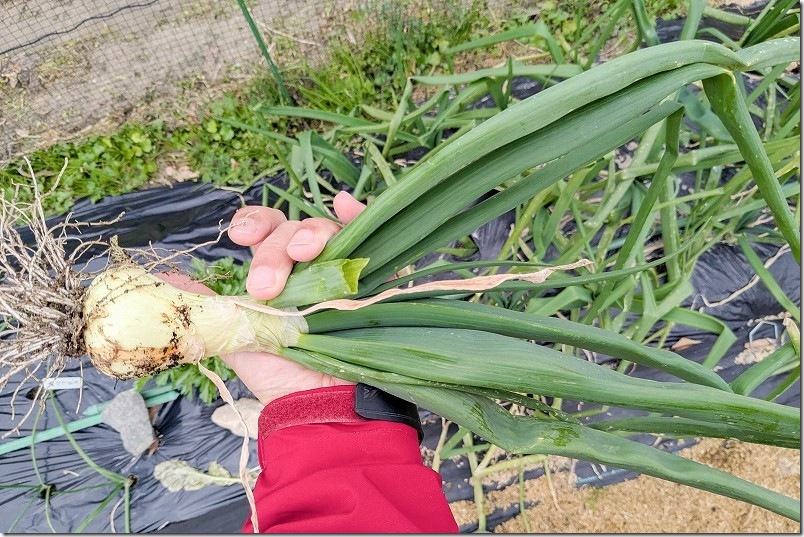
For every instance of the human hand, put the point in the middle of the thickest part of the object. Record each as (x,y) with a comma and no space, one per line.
(277,244)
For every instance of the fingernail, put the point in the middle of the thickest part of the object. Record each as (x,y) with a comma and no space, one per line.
(246,226)
(303,237)
(261,278)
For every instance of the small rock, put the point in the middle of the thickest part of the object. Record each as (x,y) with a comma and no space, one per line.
(788,466)
(127,413)
(250,409)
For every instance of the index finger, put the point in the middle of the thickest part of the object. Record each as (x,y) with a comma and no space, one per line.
(252,224)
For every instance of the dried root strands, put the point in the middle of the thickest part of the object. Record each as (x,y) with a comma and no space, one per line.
(48,313)
(41,295)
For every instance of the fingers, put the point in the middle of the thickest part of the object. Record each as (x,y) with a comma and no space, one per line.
(280,243)
(251,225)
(346,207)
(275,256)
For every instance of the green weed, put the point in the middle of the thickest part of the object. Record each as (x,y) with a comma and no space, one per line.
(402,40)
(222,154)
(97,166)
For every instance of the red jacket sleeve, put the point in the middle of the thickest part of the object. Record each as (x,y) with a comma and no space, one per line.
(325,469)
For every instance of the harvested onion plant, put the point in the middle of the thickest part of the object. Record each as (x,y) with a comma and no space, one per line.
(458,358)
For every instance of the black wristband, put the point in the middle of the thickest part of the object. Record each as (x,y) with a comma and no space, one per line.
(375,404)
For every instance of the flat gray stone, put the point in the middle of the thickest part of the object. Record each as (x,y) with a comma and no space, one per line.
(127,413)
(225,417)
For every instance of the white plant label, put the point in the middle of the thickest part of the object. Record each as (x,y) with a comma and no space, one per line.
(63,383)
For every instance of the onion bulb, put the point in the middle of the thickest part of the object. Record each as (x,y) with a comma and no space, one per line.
(137,324)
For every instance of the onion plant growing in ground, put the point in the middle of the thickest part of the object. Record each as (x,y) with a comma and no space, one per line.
(457,358)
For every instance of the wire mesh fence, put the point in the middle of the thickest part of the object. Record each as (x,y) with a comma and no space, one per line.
(68,66)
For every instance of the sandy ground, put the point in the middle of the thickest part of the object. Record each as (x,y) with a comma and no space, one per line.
(650,505)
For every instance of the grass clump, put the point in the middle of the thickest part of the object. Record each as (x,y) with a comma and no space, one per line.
(401,39)
(221,153)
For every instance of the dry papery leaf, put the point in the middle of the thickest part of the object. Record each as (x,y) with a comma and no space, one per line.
(685,343)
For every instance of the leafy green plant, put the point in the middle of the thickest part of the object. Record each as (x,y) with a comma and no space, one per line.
(125,160)
(98,166)
(225,155)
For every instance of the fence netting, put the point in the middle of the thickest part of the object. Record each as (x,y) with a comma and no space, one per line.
(71,66)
